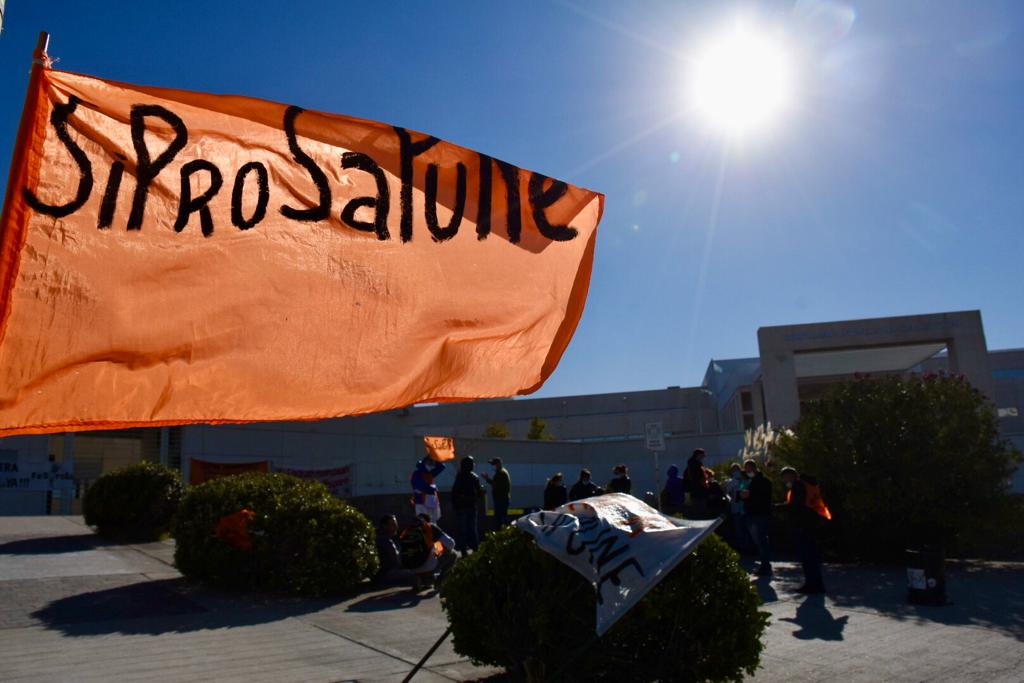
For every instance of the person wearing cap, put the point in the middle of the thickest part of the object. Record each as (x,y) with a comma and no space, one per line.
(465,500)
(620,482)
(584,488)
(555,494)
(501,491)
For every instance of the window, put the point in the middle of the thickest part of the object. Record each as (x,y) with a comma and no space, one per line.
(747,402)
(747,409)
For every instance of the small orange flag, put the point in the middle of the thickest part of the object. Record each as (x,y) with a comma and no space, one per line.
(172,257)
(440,448)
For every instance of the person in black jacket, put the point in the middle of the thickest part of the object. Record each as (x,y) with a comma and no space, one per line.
(806,515)
(501,491)
(555,494)
(621,482)
(391,570)
(757,509)
(696,477)
(465,500)
(584,488)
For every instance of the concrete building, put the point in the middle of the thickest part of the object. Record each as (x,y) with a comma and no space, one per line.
(796,363)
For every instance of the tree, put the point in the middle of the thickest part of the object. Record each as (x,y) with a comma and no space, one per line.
(904,462)
(496,430)
(539,431)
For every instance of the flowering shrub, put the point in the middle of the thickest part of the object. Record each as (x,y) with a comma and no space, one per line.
(273,532)
(512,605)
(135,503)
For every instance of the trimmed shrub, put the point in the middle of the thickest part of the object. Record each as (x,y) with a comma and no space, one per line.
(904,462)
(134,504)
(514,606)
(298,539)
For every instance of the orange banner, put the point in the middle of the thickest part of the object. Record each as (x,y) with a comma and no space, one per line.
(173,257)
(440,448)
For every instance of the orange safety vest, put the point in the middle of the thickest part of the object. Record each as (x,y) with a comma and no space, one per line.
(812,499)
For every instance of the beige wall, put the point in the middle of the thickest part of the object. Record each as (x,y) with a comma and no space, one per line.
(962,332)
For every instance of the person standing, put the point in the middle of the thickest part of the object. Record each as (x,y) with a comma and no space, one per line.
(620,482)
(465,497)
(424,491)
(584,488)
(807,513)
(757,511)
(501,491)
(673,496)
(734,486)
(696,477)
(555,494)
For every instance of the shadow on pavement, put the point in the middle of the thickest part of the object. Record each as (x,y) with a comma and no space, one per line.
(816,622)
(385,602)
(989,595)
(167,606)
(765,590)
(52,545)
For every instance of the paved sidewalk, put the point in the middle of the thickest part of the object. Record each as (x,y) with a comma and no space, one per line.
(74,608)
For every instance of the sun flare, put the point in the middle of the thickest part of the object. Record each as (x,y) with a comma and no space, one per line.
(742,81)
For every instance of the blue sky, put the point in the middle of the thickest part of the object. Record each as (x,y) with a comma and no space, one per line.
(895,185)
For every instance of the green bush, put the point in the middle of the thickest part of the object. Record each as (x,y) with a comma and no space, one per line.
(514,606)
(904,462)
(304,541)
(135,503)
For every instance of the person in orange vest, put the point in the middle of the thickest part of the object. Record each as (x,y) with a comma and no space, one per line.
(808,515)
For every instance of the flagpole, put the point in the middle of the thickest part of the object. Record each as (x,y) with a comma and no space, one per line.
(40,60)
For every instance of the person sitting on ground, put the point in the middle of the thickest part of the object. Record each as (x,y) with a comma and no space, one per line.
(391,569)
(807,514)
(757,512)
(584,488)
(426,551)
(620,482)
(555,494)
(673,496)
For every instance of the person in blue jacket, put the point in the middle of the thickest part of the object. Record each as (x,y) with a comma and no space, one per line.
(673,496)
(424,491)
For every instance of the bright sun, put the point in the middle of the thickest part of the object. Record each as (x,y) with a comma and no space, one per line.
(742,81)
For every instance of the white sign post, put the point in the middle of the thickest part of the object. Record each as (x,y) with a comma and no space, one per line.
(654,435)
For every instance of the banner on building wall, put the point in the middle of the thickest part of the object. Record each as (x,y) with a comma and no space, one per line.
(173,257)
(205,470)
(440,448)
(19,472)
(339,480)
(623,546)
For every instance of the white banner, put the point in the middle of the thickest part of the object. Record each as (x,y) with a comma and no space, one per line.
(623,546)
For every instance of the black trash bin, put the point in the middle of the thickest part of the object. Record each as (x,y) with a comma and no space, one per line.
(926,577)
